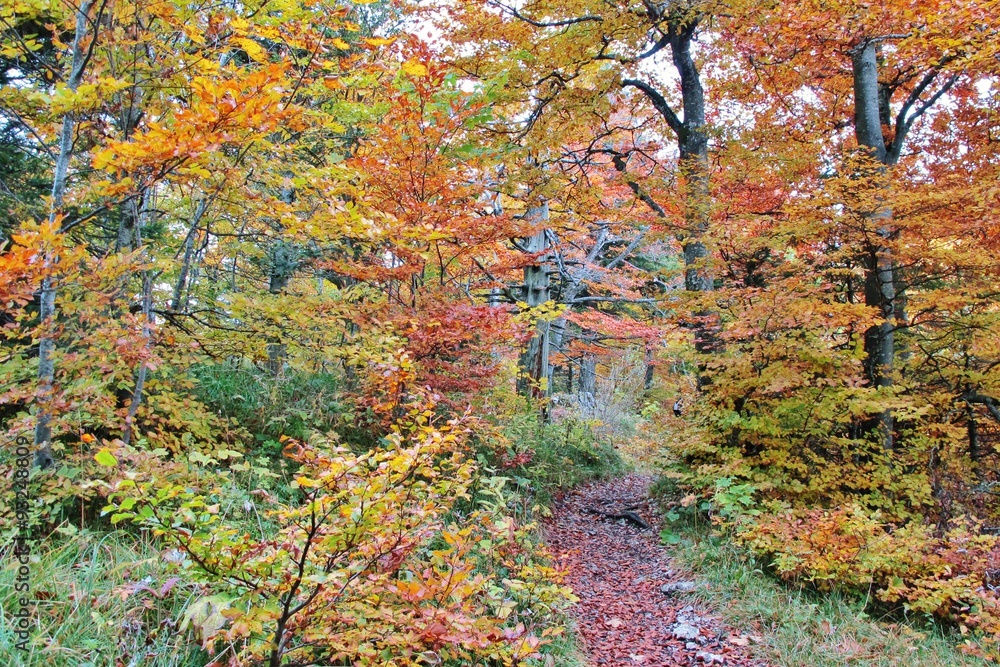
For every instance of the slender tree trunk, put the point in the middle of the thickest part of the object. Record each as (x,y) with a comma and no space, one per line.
(140,215)
(649,358)
(283,265)
(975,454)
(47,296)
(140,377)
(588,380)
(179,288)
(880,289)
(284,261)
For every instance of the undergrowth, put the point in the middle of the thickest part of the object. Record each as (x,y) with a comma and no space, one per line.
(796,626)
(544,458)
(292,403)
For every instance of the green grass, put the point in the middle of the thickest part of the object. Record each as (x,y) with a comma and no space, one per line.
(563,455)
(566,650)
(268,406)
(797,627)
(87,614)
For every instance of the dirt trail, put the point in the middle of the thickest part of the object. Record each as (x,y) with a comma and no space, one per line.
(634,608)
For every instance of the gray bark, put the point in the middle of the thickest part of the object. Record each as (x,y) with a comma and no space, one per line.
(47,295)
(535,359)
(284,260)
(880,291)
(693,145)
(867,120)
(692,142)
(140,378)
(588,379)
(182,278)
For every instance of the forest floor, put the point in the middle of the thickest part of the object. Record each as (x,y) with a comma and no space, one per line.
(636,607)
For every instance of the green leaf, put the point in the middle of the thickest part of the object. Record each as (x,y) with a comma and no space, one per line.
(670,537)
(106,458)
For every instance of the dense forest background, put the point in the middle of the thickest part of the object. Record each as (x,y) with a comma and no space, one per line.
(310,308)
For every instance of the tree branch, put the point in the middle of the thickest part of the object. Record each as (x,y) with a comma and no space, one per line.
(903,123)
(544,24)
(659,102)
(992,404)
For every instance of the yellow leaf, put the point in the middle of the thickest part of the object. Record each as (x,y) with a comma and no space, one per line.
(106,458)
(413,68)
(103,159)
(252,48)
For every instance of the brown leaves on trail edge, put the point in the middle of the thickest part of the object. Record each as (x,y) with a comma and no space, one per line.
(618,571)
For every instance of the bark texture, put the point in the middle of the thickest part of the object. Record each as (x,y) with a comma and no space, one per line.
(47,295)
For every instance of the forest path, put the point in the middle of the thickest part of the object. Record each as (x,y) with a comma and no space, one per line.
(634,609)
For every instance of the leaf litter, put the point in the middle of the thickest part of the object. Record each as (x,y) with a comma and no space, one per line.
(633,607)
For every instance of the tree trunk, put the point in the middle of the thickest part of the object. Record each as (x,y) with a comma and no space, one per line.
(182,278)
(535,359)
(694,166)
(140,377)
(588,381)
(283,265)
(284,261)
(879,284)
(974,449)
(47,295)
(139,215)
(649,358)
(695,169)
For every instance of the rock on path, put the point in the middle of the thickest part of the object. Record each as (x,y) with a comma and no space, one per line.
(634,608)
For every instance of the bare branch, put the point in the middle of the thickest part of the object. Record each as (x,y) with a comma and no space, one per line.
(903,123)
(544,24)
(659,102)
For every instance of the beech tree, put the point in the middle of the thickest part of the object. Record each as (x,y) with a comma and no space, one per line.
(568,70)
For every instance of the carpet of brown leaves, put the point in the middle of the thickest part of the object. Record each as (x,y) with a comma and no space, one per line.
(634,609)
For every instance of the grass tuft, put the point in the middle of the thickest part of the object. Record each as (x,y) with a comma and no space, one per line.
(95,606)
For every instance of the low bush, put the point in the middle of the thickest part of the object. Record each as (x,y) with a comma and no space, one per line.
(367,563)
(951,577)
(791,624)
